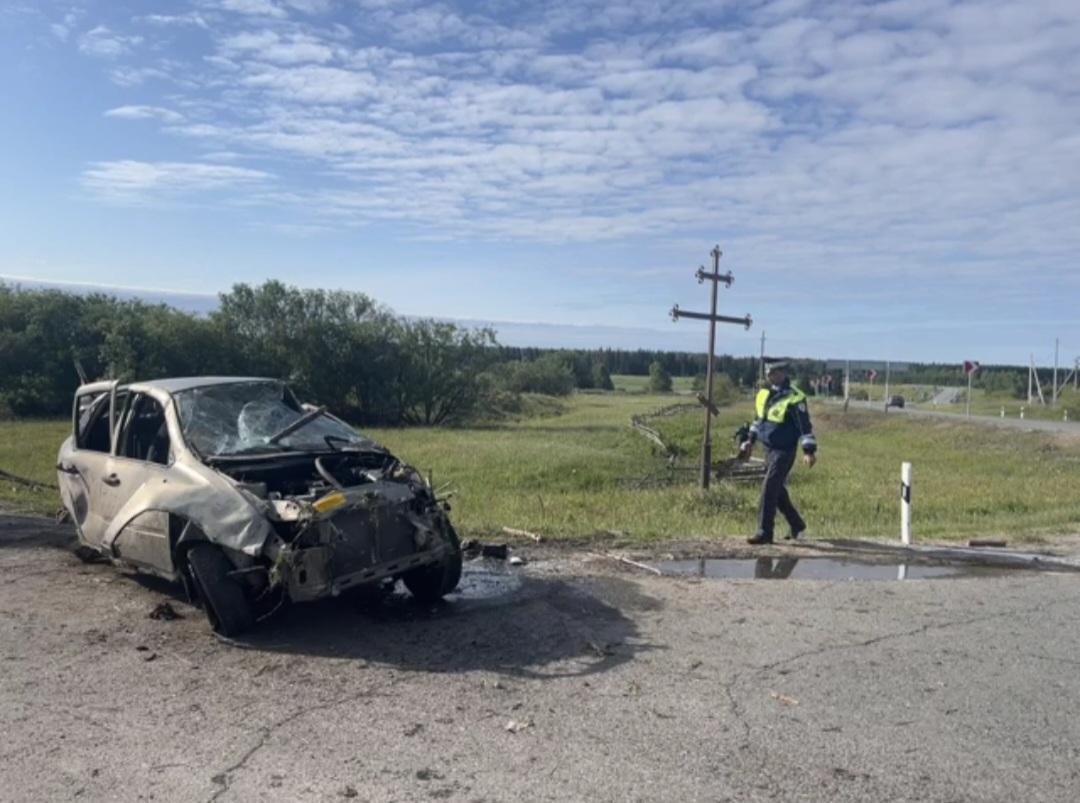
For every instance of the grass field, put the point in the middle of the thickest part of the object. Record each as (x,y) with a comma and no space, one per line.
(574,474)
(632,383)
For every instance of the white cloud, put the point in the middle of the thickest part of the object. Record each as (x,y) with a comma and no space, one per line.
(311,6)
(271,47)
(259,8)
(145,113)
(851,137)
(102,42)
(131,180)
(190,19)
(313,84)
(62,30)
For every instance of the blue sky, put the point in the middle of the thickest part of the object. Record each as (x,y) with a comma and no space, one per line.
(892,180)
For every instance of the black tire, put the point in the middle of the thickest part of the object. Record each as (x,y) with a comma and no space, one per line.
(432,583)
(223,598)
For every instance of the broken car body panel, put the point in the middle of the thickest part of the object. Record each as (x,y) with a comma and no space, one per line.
(296,499)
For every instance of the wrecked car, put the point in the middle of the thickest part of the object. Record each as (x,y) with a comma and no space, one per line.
(248,498)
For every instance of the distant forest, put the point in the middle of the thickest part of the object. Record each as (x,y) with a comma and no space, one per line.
(339,348)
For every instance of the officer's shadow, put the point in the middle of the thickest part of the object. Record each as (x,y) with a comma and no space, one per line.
(774,568)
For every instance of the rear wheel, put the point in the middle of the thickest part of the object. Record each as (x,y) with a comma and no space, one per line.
(432,583)
(226,605)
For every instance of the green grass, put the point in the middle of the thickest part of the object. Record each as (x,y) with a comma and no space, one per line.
(632,383)
(28,449)
(573,474)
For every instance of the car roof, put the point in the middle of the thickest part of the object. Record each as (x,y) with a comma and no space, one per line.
(188,382)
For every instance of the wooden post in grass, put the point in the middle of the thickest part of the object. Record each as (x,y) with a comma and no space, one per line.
(713,319)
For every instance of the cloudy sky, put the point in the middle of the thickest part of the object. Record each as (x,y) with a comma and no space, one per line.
(895,179)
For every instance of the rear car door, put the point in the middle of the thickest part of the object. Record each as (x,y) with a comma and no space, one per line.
(83,469)
(142,456)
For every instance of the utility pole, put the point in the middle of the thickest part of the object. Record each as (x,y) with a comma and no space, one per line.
(763,355)
(1057,343)
(716,278)
(886,385)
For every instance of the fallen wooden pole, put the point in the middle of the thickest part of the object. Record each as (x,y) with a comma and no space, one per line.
(628,562)
(523,534)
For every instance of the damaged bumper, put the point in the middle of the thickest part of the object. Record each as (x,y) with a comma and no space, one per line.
(356,537)
(314,573)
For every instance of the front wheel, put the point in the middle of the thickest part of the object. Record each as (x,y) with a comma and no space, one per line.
(226,605)
(432,583)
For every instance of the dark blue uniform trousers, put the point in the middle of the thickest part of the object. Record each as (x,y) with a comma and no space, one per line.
(774,493)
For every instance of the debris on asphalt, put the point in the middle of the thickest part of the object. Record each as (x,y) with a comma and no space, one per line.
(414,729)
(165,612)
(516,560)
(349,791)
(601,650)
(523,534)
(88,555)
(783,698)
(518,725)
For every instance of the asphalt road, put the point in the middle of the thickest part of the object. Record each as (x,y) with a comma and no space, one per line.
(1025,424)
(570,679)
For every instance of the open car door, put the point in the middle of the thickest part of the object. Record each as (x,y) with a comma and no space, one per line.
(83,466)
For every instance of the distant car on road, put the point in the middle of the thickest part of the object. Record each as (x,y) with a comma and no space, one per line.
(895,401)
(247,497)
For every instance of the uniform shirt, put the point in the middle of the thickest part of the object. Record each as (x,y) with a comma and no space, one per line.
(782,420)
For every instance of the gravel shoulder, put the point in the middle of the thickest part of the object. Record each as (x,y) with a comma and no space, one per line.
(571,678)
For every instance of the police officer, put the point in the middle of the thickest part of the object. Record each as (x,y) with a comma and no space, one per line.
(781,423)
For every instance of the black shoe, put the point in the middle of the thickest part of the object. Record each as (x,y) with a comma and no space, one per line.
(795,535)
(760,538)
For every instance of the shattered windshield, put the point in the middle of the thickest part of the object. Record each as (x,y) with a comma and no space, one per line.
(241,417)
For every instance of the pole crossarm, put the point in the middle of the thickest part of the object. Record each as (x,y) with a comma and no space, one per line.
(726,278)
(677,313)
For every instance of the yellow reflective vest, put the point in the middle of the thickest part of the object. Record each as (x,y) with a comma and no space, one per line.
(778,410)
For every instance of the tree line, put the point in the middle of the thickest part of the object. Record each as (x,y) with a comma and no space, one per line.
(339,348)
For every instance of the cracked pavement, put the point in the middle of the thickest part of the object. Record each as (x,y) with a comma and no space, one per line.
(577,679)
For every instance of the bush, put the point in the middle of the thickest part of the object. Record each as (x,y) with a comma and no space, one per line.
(659,379)
(1003,383)
(725,391)
(601,377)
(549,375)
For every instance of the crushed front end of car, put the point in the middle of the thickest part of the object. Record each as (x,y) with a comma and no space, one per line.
(343,512)
(385,528)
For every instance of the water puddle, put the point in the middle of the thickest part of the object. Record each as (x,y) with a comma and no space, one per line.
(820,569)
(486,579)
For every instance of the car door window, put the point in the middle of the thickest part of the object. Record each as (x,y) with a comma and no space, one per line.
(92,422)
(145,435)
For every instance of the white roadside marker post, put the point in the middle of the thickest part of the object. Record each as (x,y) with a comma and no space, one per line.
(905,503)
